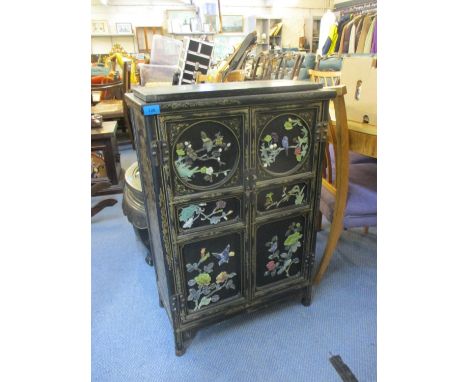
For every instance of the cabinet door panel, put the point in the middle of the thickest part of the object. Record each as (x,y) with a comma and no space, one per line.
(283,139)
(206,150)
(209,213)
(213,271)
(280,247)
(272,199)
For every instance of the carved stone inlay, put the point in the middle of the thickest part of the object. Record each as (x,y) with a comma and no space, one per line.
(283,143)
(205,154)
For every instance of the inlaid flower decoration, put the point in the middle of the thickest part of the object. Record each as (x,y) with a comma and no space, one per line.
(295,191)
(190,214)
(280,261)
(211,150)
(272,145)
(204,287)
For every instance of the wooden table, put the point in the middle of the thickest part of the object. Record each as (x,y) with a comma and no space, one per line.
(105,165)
(362,136)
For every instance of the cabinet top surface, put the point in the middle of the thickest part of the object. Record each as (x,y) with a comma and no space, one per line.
(212,90)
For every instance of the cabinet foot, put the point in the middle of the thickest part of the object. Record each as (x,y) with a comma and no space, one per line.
(179,343)
(182,340)
(149,260)
(189,334)
(307,297)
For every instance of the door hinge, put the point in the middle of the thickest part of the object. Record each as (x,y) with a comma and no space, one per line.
(177,302)
(321,130)
(159,151)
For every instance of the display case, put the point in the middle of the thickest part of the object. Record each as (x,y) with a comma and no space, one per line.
(231,177)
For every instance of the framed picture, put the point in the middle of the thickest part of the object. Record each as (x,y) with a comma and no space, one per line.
(99,27)
(123,28)
(232,23)
(178,21)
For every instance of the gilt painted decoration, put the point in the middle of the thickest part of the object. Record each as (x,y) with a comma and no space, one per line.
(283,144)
(206,154)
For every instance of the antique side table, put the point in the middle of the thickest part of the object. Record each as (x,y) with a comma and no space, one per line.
(105,158)
(231,179)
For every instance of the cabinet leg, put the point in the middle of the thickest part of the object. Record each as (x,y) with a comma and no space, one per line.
(307,297)
(179,343)
(189,334)
(148,259)
(160,300)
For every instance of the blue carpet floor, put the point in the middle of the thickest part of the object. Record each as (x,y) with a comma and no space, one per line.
(132,338)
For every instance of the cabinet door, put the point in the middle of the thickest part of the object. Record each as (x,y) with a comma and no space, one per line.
(284,159)
(204,170)
(214,272)
(207,151)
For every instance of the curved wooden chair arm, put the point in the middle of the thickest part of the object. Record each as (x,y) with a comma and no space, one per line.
(107,86)
(340,186)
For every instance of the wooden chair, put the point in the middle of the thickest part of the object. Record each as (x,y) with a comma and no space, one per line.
(112,105)
(333,78)
(95,188)
(325,78)
(349,190)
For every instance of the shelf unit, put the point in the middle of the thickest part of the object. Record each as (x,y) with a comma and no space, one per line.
(263,26)
(114,35)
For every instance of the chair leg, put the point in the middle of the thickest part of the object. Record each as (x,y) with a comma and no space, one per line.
(333,237)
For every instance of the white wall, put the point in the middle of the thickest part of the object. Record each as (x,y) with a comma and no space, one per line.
(152,13)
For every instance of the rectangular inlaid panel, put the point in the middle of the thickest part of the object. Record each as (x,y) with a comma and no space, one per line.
(208,213)
(279,250)
(212,270)
(273,198)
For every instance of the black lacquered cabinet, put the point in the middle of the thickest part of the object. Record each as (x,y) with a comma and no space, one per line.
(231,178)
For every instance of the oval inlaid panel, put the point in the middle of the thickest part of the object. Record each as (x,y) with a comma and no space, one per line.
(206,154)
(284,144)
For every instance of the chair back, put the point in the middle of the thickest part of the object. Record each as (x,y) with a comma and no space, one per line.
(327,78)
(335,178)
(109,90)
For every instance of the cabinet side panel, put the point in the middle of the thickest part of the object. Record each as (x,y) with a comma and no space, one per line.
(150,183)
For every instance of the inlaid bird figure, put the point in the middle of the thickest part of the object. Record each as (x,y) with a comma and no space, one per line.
(223,257)
(285,143)
(274,245)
